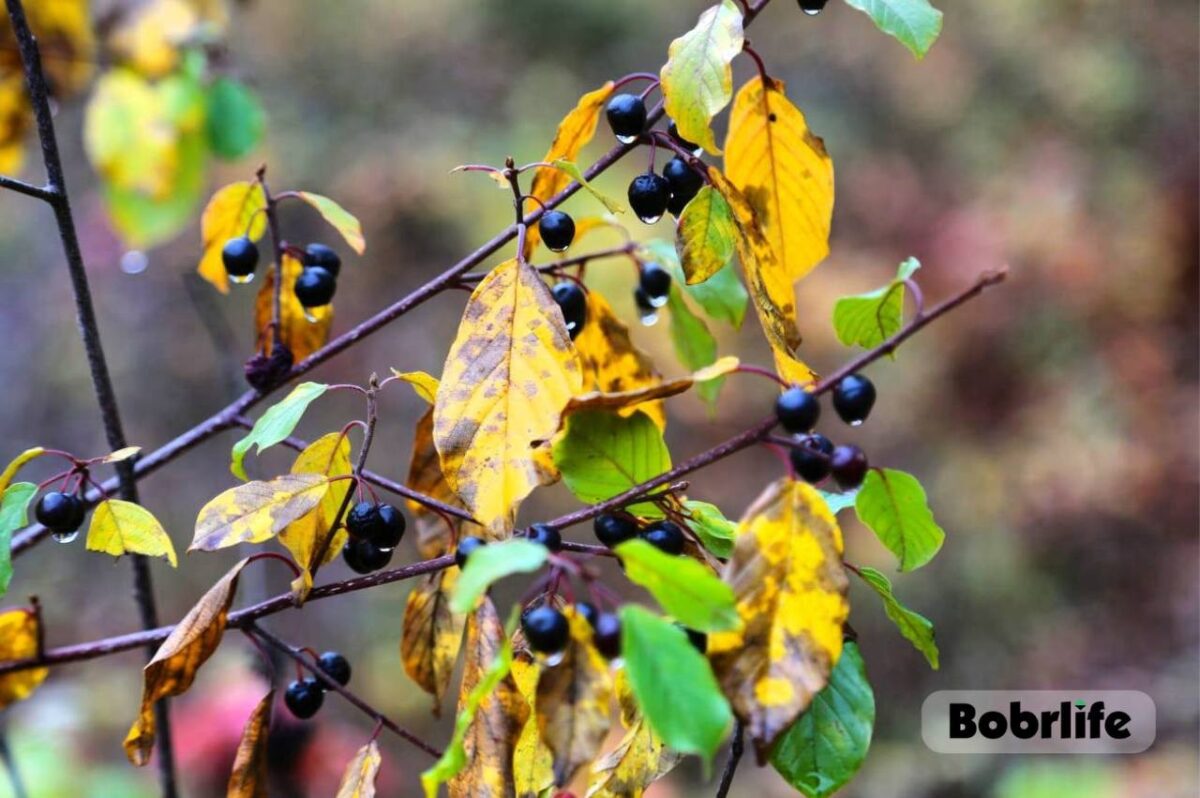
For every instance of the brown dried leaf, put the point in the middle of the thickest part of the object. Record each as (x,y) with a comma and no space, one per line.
(359,779)
(432,634)
(249,776)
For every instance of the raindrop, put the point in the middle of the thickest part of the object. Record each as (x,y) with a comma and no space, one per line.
(627,139)
(242,279)
(857,422)
(553,659)
(309,317)
(134,262)
(649,318)
(650,219)
(658,301)
(812,12)
(65,537)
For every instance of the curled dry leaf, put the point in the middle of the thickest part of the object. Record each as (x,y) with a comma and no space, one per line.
(173,668)
(359,779)
(19,640)
(120,527)
(249,776)
(432,634)
(257,511)
(302,330)
(609,361)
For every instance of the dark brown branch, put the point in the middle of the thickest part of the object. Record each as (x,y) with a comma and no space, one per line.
(736,748)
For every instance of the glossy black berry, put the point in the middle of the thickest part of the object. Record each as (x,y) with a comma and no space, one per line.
(557,229)
(810,457)
(546,535)
(304,697)
(690,146)
(682,179)
(465,546)
(648,196)
(812,7)
(365,557)
(573,303)
(853,398)
(323,256)
(797,410)
(391,527)
(587,611)
(849,465)
(676,204)
(606,635)
(655,281)
(363,520)
(546,629)
(614,529)
(315,286)
(626,116)
(240,257)
(643,301)
(59,512)
(666,536)
(336,667)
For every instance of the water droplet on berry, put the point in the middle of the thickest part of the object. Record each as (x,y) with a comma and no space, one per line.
(550,660)
(650,219)
(649,318)
(627,139)
(65,537)
(658,301)
(242,280)
(812,12)
(134,262)
(309,317)
(857,422)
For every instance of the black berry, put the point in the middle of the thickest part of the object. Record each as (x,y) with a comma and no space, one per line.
(59,512)
(656,282)
(323,256)
(304,697)
(573,303)
(363,520)
(666,536)
(587,611)
(797,410)
(335,667)
(812,7)
(848,464)
(465,546)
(690,146)
(606,635)
(391,527)
(614,529)
(546,629)
(626,116)
(644,303)
(683,180)
(240,257)
(676,204)
(648,196)
(364,557)
(810,457)
(557,229)
(315,286)
(853,398)
(546,535)
(699,640)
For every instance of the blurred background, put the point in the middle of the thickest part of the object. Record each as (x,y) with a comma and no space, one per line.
(1053,421)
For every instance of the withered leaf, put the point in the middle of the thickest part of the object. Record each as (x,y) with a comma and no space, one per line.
(257,511)
(432,634)
(359,779)
(249,776)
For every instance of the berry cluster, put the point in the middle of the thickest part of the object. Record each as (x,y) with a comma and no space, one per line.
(375,530)
(61,513)
(314,287)
(304,697)
(613,529)
(813,456)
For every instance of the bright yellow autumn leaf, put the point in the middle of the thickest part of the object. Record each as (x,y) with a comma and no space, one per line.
(328,456)
(19,640)
(639,759)
(236,210)
(424,385)
(339,219)
(303,331)
(510,371)
(149,37)
(120,527)
(787,574)
(257,511)
(697,80)
(533,762)
(783,171)
(18,462)
(609,361)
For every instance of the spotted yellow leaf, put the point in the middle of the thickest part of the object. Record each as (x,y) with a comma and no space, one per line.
(327,456)
(120,527)
(236,210)
(257,511)
(434,531)
(510,371)
(432,635)
(697,80)
(19,640)
(533,762)
(787,574)
(248,779)
(359,779)
(610,362)
(303,331)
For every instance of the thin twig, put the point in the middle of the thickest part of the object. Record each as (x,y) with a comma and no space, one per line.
(10,764)
(736,749)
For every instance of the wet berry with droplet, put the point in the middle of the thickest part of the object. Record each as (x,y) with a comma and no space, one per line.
(853,398)
(648,196)
(240,257)
(546,629)
(573,304)
(812,7)
(849,465)
(612,529)
(626,115)
(304,697)
(684,181)
(465,546)
(315,287)
(323,256)
(810,457)
(797,410)
(335,666)
(666,536)
(606,635)
(656,282)
(547,536)
(60,512)
(557,229)
(364,557)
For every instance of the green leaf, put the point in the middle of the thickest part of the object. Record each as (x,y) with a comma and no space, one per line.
(339,218)
(916,628)
(705,236)
(694,345)
(714,529)
(697,80)
(673,684)
(13,507)
(823,750)
(686,589)
(235,119)
(275,424)
(839,501)
(490,563)
(603,454)
(915,23)
(893,505)
(576,174)
(867,320)
(722,297)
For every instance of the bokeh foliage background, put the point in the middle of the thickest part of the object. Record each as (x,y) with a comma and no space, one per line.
(1054,422)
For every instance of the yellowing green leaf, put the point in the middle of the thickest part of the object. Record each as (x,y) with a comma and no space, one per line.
(424,385)
(685,588)
(257,511)
(715,531)
(576,174)
(432,634)
(120,527)
(339,218)
(697,80)
(603,454)
(303,331)
(10,470)
(610,362)
(275,424)
(14,504)
(786,571)
(914,23)
(327,456)
(19,640)
(784,172)
(359,779)
(236,210)
(249,776)
(892,504)
(916,628)
(509,373)
(706,236)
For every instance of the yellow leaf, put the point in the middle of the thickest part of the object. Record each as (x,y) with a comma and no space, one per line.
(149,37)
(173,668)
(573,702)
(509,373)
(770,285)
(609,361)
(697,80)
(786,571)
(257,511)
(236,210)
(706,236)
(492,735)
(120,527)
(120,454)
(359,779)
(339,218)
(16,119)
(574,132)
(327,456)
(533,761)
(299,334)
(637,761)
(432,634)
(434,532)
(249,776)
(783,171)
(19,640)
(423,384)
(10,471)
